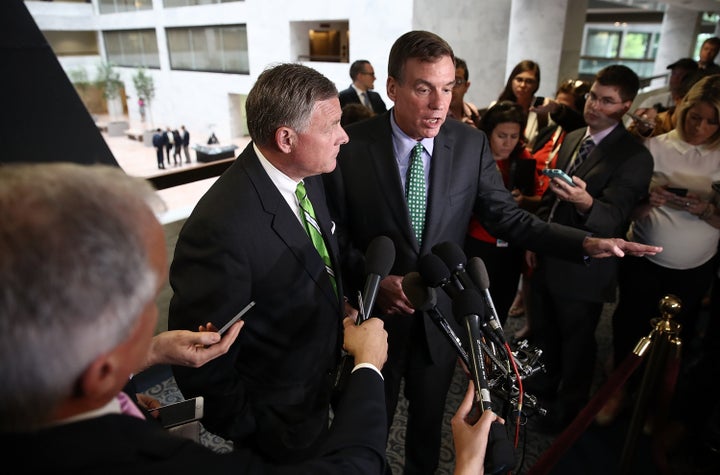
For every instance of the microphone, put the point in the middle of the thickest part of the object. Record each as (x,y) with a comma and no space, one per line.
(424,298)
(479,275)
(468,308)
(379,259)
(436,274)
(455,260)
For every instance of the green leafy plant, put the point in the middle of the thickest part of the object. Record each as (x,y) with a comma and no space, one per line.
(109,80)
(145,88)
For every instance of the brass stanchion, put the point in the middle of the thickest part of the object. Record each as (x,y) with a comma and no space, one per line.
(663,342)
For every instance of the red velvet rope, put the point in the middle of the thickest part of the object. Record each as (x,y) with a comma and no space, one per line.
(560,445)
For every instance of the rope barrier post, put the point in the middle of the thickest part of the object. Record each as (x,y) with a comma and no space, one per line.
(663,339)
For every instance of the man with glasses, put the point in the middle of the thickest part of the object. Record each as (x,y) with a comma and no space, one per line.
(361,89)
(459,108)
(610,173)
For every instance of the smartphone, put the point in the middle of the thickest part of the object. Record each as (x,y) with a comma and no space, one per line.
(557,173)
(180,412)
(677,191)
(539,100)
(236,317)
(644,122)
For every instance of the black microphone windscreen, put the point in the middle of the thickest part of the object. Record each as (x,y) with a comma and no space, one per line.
(478,273)
(421,296)
(380,256)
(433,270)
(451,254)
(468,302)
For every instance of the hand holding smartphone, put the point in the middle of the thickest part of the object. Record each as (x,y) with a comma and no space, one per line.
(677,191)
(557,173)
(180,412)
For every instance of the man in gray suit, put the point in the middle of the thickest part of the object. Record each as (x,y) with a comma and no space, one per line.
(367,198)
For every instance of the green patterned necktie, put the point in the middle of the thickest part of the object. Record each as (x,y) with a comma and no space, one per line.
(416,192)
(307,213)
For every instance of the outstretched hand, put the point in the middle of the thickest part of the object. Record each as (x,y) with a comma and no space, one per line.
(598,248)
(188,348)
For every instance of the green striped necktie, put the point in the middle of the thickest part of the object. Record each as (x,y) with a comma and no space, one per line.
(307,213)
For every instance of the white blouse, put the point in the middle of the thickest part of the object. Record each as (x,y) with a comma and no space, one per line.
(687,240)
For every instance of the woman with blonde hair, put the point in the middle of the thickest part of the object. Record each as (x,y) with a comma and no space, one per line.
(681,214)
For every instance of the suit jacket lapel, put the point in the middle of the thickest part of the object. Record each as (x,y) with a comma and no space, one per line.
(386,173)
(289,229)
(569,147)
(441,167)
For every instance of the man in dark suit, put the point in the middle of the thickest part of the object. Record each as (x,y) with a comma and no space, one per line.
(567,298)
(246,241)
(81,337)
(361,90)
(158,142)
(367,195)
(185,143)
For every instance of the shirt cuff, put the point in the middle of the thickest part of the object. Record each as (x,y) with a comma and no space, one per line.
(369,366)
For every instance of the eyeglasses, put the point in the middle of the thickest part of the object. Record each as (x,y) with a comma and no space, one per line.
(528,81)
(603,101)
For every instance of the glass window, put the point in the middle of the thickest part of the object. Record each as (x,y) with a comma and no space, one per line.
(134,48)
(603,44)
(212,48)
(117,6)
(635,45)
(186,3)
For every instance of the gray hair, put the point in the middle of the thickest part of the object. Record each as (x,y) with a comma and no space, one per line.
(284,95)
(74,277)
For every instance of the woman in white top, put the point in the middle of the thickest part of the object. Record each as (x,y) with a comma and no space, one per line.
(681,215)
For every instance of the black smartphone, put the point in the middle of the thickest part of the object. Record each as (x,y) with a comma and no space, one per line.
(677,191)
(236,317)
(539,100)
(180,412)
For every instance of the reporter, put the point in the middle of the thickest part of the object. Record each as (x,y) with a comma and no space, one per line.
(82,258)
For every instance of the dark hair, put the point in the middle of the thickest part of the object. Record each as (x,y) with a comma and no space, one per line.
(285,95)
(621,77)
(357,67)
(501,112)
(525,65)
(423,45)
(460,63)
(713,40)
(577,88)
(354,112)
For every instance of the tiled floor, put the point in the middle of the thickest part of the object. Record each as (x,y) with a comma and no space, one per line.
(138,159)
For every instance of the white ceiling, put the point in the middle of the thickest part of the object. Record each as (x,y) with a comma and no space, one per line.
(698,5)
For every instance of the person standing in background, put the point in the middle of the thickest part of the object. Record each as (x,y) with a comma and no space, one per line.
(521,86)
(185,143)
(361,90)
(169,140)
(177,140)
(158,141)
(708,52)
(460,109)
